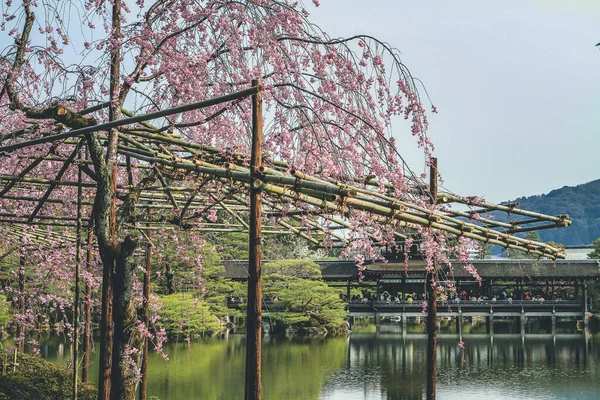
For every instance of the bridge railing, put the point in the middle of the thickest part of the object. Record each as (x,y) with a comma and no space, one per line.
(470,306)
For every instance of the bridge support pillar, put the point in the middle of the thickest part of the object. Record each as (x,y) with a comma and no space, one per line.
(490,324)
(459,322)
(522,321)
(404,324)
(553,324)
(377,321)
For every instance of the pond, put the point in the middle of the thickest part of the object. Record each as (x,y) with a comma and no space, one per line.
(376,366)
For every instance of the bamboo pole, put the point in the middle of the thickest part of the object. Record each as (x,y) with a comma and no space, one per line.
(55,201)
(83,162)
(387,211)
(538,227)
(507,209)
(42,181)
(411,213)
(17,222)
(488,222)
(230,211)
(253,386)
(46,217)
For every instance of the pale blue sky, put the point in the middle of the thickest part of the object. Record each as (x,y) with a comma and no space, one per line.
(516,83)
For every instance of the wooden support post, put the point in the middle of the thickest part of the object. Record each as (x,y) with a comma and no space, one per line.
(76,300)
(254,312)
(87,339)
(144,368)
(431,283)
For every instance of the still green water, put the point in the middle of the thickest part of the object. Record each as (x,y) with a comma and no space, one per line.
(376,366)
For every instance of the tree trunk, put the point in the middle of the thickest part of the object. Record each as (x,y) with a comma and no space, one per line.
(169,278)
(127,339)
(106,332)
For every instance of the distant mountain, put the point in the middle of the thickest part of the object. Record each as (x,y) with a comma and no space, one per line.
(581,202)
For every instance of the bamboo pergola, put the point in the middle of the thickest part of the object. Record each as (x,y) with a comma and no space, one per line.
(331,201)
(201,188)
(328,200)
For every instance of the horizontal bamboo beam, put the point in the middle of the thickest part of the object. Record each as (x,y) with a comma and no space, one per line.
(507,209)
(132,120)
(513,242)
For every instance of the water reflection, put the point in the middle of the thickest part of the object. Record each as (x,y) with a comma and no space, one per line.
(377,366)
(491,367)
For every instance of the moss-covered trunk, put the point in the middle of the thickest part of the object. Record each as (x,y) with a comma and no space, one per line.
(128,340)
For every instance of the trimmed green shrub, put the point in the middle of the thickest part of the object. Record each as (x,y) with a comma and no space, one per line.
(183,315)
(36,378)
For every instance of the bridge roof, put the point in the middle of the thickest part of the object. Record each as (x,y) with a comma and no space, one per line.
(501,269)
(487,269)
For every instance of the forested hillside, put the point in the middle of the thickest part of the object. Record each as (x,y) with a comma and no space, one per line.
(581,202)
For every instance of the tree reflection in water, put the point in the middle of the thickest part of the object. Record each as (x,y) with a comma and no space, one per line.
(377,366)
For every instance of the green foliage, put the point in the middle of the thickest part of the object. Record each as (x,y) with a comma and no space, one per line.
(232,246)
(36,378)
(216,293)
(305,302)
(5,314)
(596,252)
(186,315)
(556,245)
(593,289)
